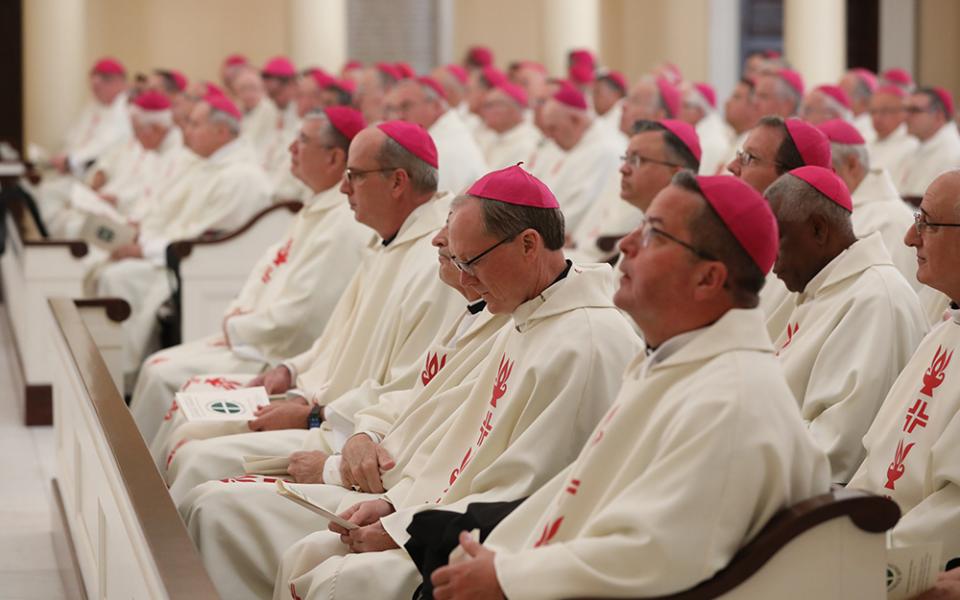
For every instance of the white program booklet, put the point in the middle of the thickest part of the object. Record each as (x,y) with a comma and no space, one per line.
(912,570)
(106,233)
(297,496)
(222,405)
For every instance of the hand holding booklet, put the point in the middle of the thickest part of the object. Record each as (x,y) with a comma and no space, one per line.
(222,405)
(297,496)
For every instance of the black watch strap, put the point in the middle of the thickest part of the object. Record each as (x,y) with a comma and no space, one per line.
(315,417)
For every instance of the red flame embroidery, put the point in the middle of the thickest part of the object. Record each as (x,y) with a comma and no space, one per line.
(934,375)
(500,385)
(293,592)
(896,469)
(431,367)
(549,531)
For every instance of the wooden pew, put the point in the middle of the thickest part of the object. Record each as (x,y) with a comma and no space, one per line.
(117,523)
(212,270)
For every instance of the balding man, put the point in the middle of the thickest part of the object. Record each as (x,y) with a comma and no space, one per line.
(420,101)
(220,191)
(930,120)
(591,154)
(663,481)
(876,203)
(893,143)
(912,446)
(825,103)
(860,85)
(453,79)
(740,113)
(280,80)
(290,293)
(373,83)
(652,99)
(548,393)
(393,307)
(259,112)
(508,136)
(772,148)
(778,93)
(609,90)
(841,289)
(699,108)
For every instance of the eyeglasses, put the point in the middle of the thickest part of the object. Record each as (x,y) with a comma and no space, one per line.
(746,159)
(467,266)
(352,174)
(634,161)
(920,223)
(916,110)
(648,230)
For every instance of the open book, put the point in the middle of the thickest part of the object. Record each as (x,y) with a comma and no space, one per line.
(296,496)
(222,405)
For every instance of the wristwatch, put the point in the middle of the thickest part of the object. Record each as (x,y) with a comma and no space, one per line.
(315,417)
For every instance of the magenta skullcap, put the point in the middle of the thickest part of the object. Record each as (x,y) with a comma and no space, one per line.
(893,90)
(582,67)
(686,133)
(709,94)
(347,85)
(514,185)
(746,215)
(405,70)
(840,131)
(223,104)
(459,72)
(480,56)
(793,79)
(414,139)
(827,183)
(212,89)
(670,96)
(235,60)
(493,75)
(514,91)
(617,79)
(152,101)
(813,145)
(946,98)
(351,65)
(108,66)
(179,79)
(323,79)
(389,70)
(836,92)
(279,66)
(867,76)
(433,85)
(569,95)
(346,120)
(897,76)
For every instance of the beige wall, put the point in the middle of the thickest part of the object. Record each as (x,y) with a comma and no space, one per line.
(938,44)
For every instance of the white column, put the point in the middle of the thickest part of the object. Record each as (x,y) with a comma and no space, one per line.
(724,47)
(54,68)
(318,33)
(898,34)
(568,24)
(814,39)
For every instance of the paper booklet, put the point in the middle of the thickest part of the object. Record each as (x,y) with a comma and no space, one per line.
(296,496)
(912,570)
(266,465)
(222,405)
(107,233)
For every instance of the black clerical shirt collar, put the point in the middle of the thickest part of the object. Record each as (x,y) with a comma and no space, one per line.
(476,307)
(386,241)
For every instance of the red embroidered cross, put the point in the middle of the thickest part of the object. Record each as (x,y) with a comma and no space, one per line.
(574,487)
(916,416)
(485,428)
(282,254)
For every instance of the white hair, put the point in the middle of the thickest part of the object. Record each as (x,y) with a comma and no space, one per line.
(432,94)
(695,98)
(840,152)
(160,118)
(219,116)
(838,109)
(800,200)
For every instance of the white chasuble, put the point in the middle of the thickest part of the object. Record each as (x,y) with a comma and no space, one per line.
(501,150)
(281,309)
(877,206)
(850,332)
(939,154)
(891,152)
(913,446)
(701,448)
(544,386)
(461,160)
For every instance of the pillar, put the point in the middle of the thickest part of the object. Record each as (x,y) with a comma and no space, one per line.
(814,39)
(568,24)
(318,33)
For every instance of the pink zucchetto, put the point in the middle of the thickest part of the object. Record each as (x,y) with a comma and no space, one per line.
(432,83)
(223,104)
(480,56)
(235,60)
(569,95)
(212,89)
(280,66)
(686,133)
(670,96)
(793,79)
(892,90)
(179,79)
(323,79)
(827,183)
(836,92)
(709,94)
(405,70)
(347,85)
(946,98)
(813,145)
(346,120)
(897,77)
(459,72)
(839,131)
(108,66)
(514,91)
(867,76)
(351,65)
(516,186)
(389,70)
(152,101)
(414,139)
(746,215)
(616,78)
(493,75)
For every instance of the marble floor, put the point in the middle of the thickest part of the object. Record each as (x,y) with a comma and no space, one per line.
(28,568)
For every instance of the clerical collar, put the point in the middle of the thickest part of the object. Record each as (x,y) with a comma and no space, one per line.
(386,241)
(670,347)
(476,307)
(563,274)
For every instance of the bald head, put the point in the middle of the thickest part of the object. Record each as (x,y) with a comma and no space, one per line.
(938,247)
(819,107)
(774,96)
(500,111)
(563,124)
(415,102)
(248,86)
(643,102)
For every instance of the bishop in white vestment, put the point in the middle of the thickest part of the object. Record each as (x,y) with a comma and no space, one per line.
(930,120)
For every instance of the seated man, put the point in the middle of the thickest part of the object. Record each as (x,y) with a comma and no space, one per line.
(699,109)
(703,444)
(848,301)
(893,143)
(930,120)
(912,446)
(221,191)
(826,103)
(290,293)
(508,136)
(392,308)
(552,374)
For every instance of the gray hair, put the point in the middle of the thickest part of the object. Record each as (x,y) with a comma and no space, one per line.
(840,152)
(674,148)
(786,91)
(160,118)
(799,201)
(503,220)
(333,135)
(219,116)
(861,89)
(423,177)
